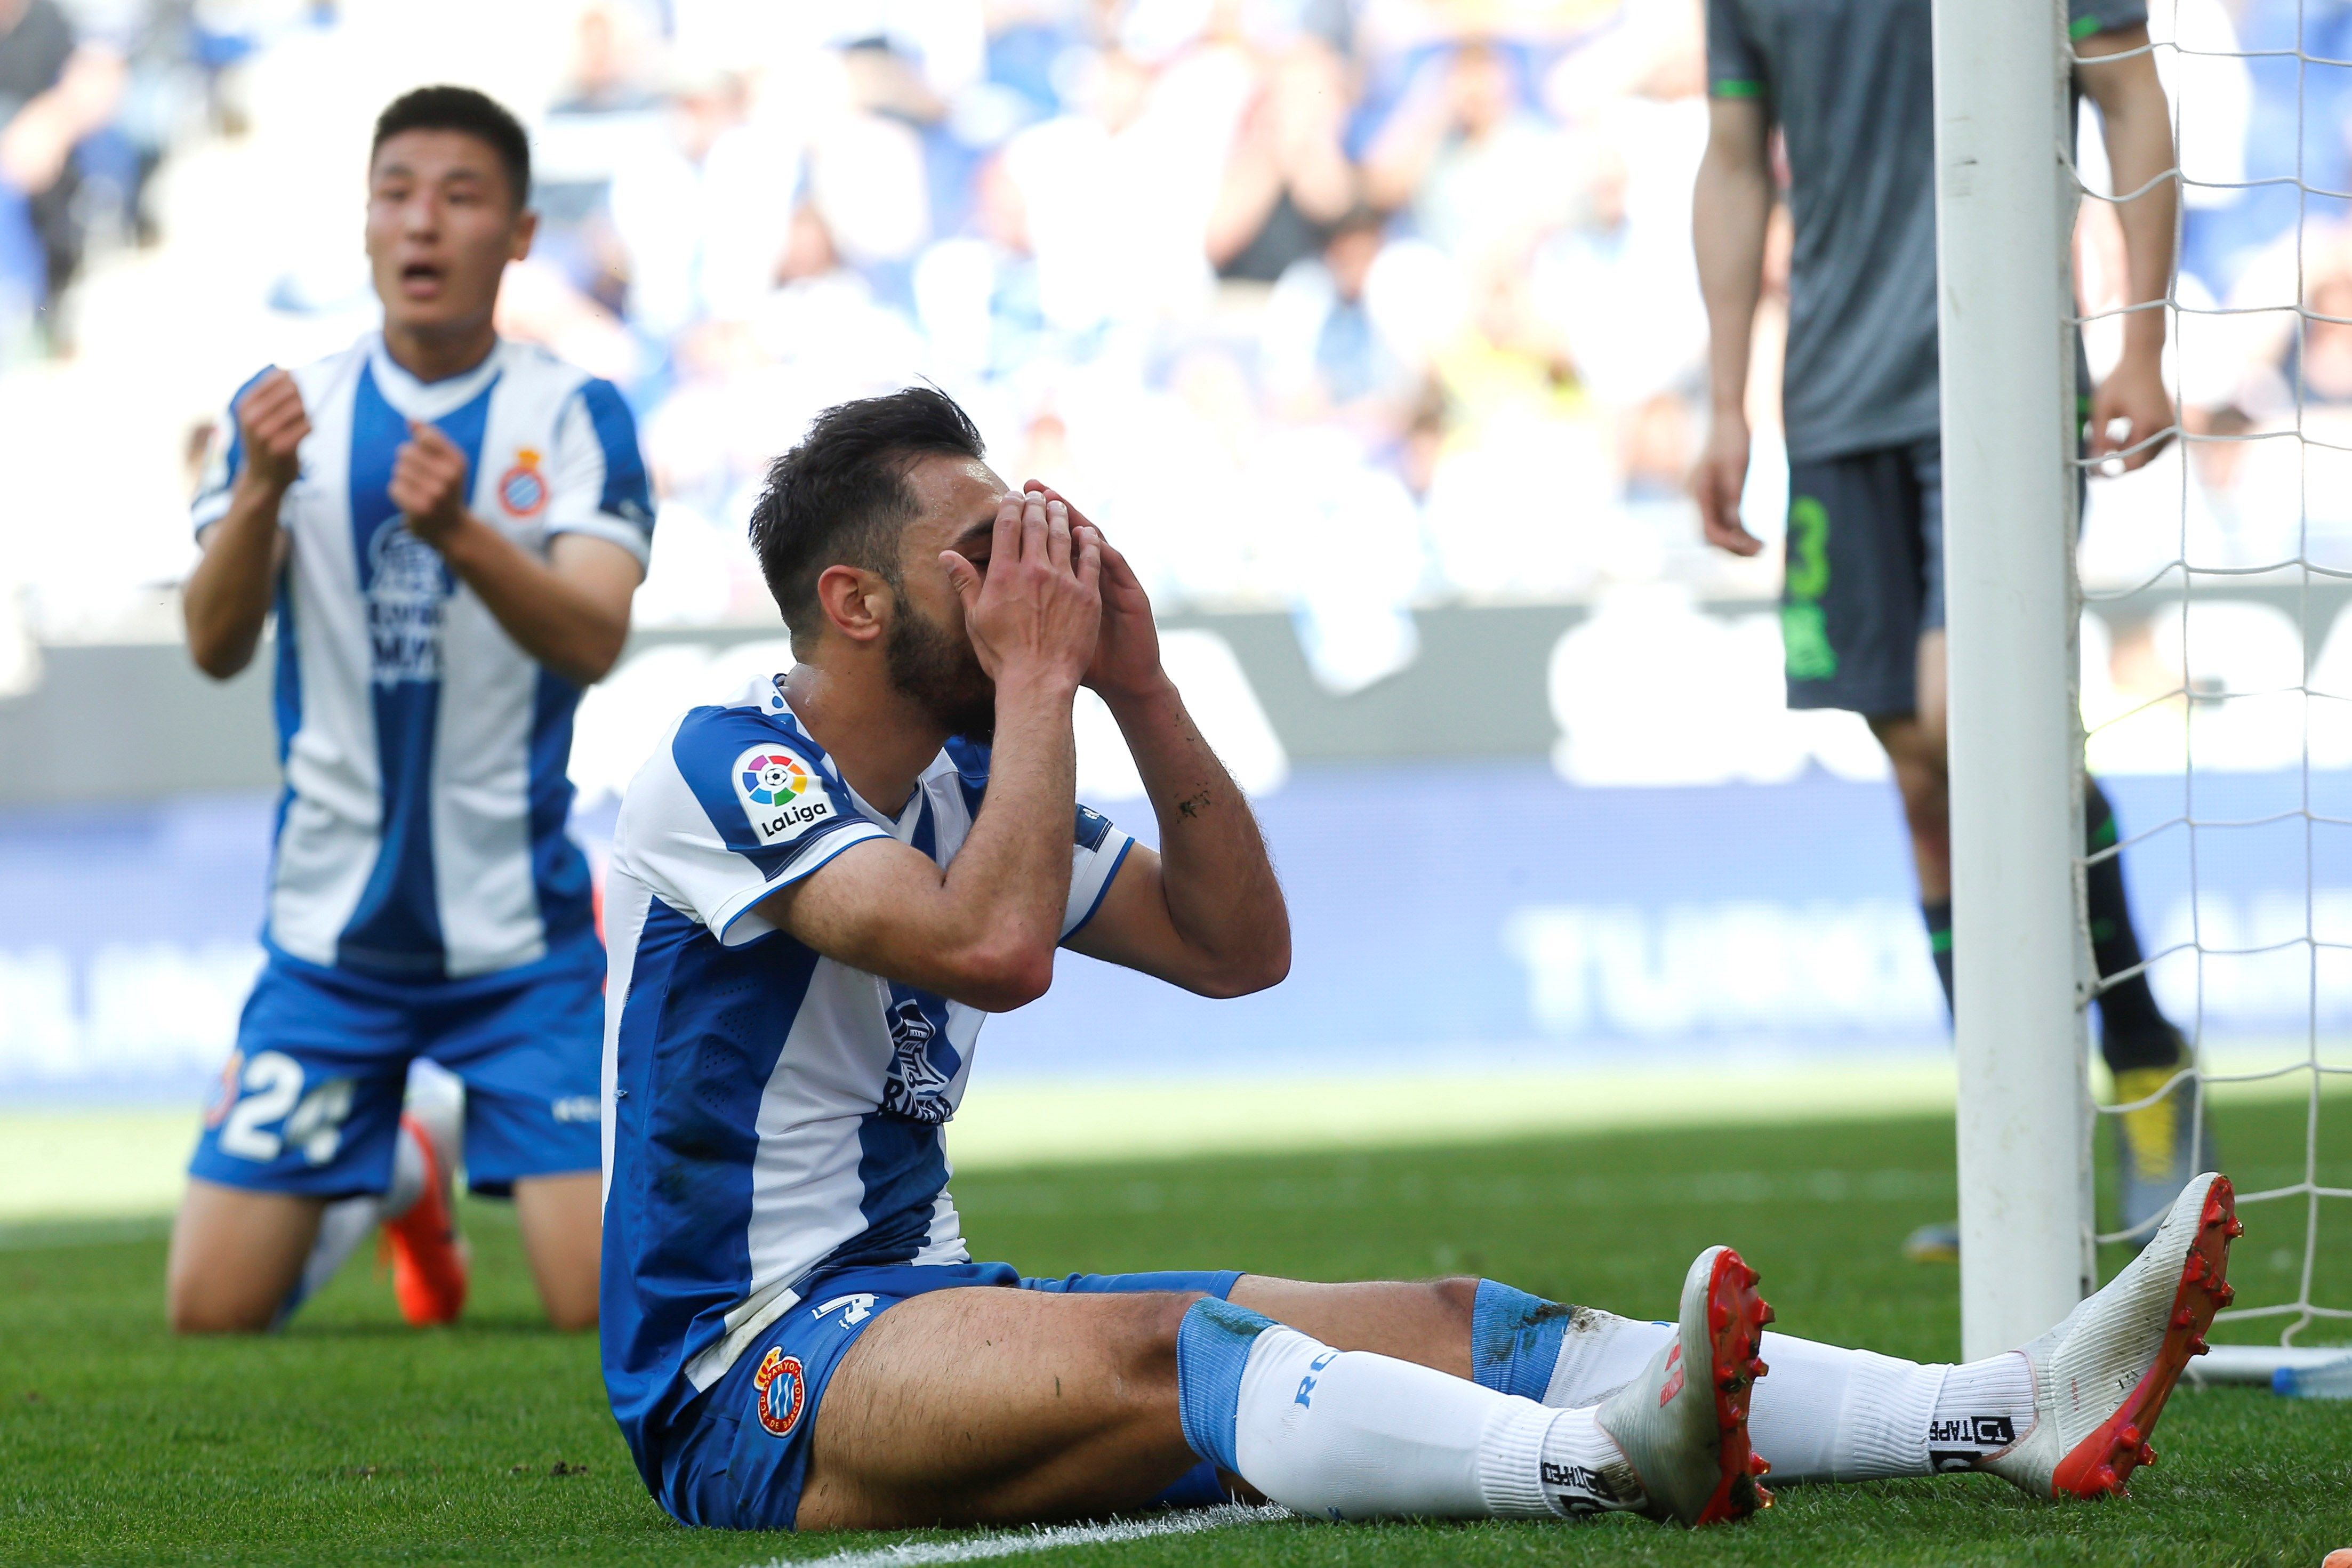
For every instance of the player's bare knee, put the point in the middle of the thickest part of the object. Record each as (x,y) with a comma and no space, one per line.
(1920,774)
(189,1308)
(572,1316)
(1146,1340)
(1456,1297)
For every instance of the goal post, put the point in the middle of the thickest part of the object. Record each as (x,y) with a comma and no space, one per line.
(2004,199)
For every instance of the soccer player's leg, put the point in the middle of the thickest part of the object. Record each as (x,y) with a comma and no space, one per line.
(1425,1322)
(2068,1415)
(561,1221)
(983,1405)
(527,1043)
(2162,1137)
(971,1406)
(306,1113)
(1861,624)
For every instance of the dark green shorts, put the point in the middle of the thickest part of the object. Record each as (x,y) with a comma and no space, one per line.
(1865,576)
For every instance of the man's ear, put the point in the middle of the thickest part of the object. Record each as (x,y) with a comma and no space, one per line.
(857,604)
(526,229)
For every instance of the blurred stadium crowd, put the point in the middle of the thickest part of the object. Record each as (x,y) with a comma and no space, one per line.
(1336,306)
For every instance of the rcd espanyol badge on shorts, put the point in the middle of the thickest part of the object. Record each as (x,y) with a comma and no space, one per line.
(780,794)
(783,1391)
(522,489)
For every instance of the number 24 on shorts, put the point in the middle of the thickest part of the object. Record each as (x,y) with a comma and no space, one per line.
(268,1090)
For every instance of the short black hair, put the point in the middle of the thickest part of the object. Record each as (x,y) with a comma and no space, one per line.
(840,496)
(461,108)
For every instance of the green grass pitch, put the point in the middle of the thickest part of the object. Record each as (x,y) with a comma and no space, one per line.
(351,1439)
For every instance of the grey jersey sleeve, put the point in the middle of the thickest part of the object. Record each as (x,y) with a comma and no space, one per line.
(1734,67)
(2088,17)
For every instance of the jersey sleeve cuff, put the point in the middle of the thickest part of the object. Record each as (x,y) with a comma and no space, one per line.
(209,510)
(734,922)
(1111,859)
(605,526)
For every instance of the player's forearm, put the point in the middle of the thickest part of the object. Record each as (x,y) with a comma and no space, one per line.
(1732,208)
(225,602)
(2139,152)
(554,620)
(1004,892)
(1222,894)
(2119,74)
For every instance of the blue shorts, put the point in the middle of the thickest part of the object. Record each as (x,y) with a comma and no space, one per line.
(737,1456)
(310,1101)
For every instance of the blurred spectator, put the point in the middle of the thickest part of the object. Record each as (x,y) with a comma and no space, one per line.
(1479,172)
(2318,360)
(2296,52)
(56,89)
(1406,286)
(701,216)
(1119,196)
(1287,180)
(1325,355)
(977,295)
(606,75)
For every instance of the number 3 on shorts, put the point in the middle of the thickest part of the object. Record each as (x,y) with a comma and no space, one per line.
(272,1083)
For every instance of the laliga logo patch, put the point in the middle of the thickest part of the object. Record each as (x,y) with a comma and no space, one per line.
(780,795)
(522,491)
(783,1391)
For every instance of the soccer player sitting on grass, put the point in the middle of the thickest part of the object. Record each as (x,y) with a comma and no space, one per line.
(820,888)
(449,527)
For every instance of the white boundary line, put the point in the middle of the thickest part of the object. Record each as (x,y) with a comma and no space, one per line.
(1184,1522)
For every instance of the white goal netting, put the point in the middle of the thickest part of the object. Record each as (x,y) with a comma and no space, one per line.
(2217,628)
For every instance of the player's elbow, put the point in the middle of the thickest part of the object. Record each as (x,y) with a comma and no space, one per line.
(593,653)
(1259,967)
(997,977)
(218,656)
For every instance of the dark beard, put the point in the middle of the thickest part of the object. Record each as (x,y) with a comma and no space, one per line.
(943,676)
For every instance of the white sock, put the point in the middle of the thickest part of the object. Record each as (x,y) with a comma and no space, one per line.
(1350,1435)
(347,1222)
(1600,1354)
(1985,1406)
(1825,1414)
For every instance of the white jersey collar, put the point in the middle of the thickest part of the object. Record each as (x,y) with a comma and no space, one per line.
(430,400)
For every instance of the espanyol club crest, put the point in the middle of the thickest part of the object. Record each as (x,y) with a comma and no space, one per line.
(522,489)
(783,1391)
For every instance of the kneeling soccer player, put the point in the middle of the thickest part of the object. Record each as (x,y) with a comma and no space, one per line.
(820,888)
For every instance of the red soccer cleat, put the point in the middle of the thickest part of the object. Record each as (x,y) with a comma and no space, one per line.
(428,1257)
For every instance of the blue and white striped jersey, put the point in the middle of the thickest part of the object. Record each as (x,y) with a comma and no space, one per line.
(421,834)
(768,1111)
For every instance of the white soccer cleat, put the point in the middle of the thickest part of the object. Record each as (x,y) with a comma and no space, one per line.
(2101,1377)
(1683,1424)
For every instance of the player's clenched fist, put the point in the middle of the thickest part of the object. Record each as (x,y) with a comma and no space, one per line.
(428,483)
(1037,612)
(270,425)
